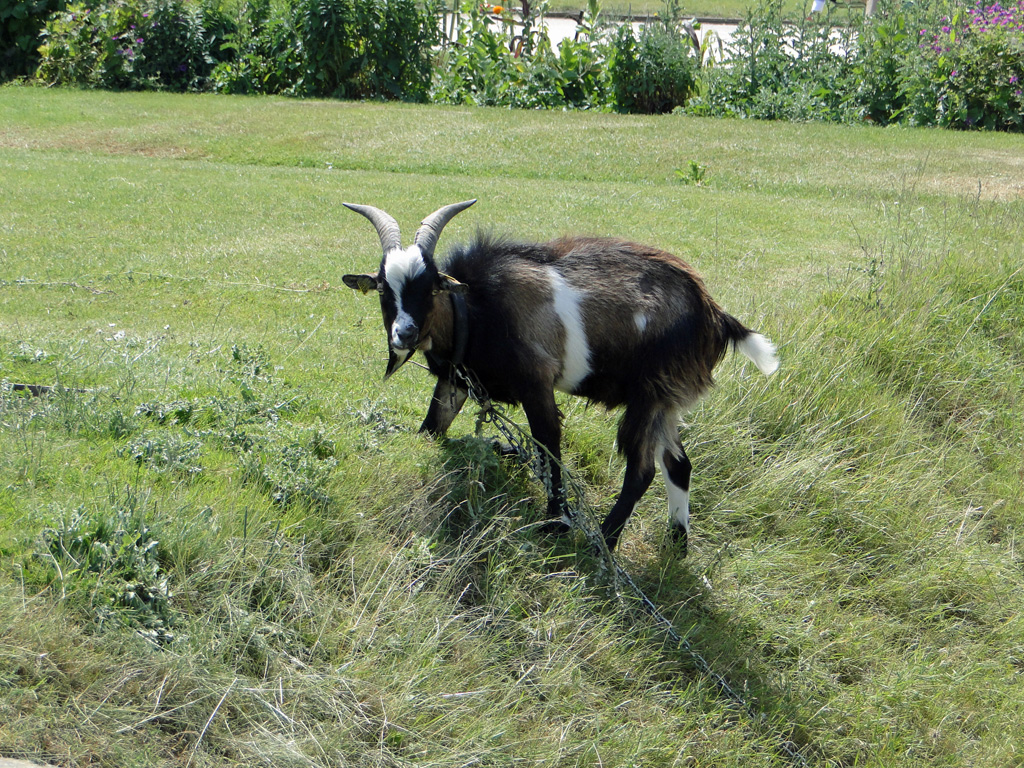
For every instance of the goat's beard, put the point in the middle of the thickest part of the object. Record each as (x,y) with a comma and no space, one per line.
(396,359)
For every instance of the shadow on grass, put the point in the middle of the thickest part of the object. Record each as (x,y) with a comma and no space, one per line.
(715,647)
(704,643)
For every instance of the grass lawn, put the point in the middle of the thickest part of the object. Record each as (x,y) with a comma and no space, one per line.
(222,541)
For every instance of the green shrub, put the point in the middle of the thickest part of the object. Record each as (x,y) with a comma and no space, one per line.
(331,48)
(780,70)
(126,44)
(178,52)
(337,48)
(972,70)
(365,48)
(885,46)
(265,53)
(492,62)
(926,63)
(75,50)
(655,72)
(21,21)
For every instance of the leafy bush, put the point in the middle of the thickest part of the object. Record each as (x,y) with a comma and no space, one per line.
(972,70)
(181,44)
(125,44)
(654,73)
(492,60)
(365,48)
(928,63)
(496,59)
(884,45)
(340,48)
(266,57)
(333,48)
(778,70)
(21,21)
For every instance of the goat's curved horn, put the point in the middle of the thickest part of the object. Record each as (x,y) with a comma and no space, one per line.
(430,229)
(386,226)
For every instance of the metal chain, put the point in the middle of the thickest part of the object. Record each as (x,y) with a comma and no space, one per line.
(582,517)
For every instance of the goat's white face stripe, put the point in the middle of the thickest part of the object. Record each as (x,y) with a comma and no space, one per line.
(401,266)
(576,355)
(641,321)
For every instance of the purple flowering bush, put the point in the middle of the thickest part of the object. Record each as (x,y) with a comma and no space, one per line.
(951,63)
(90,47)
(970,70)
(128,45)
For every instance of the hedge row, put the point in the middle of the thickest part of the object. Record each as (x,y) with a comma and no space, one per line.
(929,62)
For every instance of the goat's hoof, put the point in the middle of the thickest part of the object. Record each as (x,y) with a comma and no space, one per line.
(680,539)
(599,551)
(557,527)
(505,450)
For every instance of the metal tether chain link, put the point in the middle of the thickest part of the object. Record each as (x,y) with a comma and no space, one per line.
(582,517)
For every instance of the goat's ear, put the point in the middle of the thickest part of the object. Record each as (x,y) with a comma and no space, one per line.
(449,283)
(363,283)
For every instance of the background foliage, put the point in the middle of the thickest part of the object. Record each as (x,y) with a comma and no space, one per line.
(20,23)
(327,48)
(927,63)
(933,62)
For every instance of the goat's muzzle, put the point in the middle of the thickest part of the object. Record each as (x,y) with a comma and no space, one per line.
(404,335)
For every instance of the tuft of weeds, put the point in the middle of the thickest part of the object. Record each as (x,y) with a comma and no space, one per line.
(292,468)
(166,452)
(110,559)
(695,174)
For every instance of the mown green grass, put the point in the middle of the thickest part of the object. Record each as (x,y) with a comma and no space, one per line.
(330,588)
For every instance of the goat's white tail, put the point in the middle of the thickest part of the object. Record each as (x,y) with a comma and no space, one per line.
(761,351)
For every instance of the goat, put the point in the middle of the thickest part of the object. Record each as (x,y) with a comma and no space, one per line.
(616,322)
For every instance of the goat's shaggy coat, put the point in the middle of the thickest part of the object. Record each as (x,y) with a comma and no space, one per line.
(616,322)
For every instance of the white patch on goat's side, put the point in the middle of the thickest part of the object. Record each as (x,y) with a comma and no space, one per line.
(401,266)
(641,321)
(678,498)
(576,354)
(761,351)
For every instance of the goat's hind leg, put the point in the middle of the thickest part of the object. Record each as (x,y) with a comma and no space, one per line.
(675,469)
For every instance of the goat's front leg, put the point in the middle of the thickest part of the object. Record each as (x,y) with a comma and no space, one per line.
(546,427)
(445,404)
(639,474)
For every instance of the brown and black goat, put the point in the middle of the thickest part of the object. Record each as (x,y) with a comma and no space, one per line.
(616,322)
